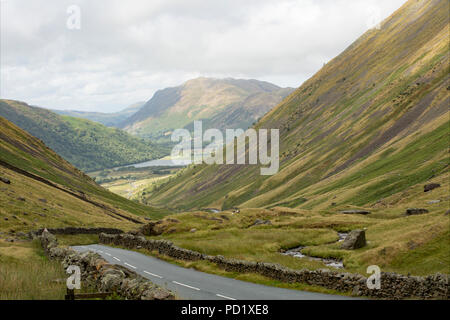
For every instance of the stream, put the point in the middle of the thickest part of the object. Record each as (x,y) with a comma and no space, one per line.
(330,262)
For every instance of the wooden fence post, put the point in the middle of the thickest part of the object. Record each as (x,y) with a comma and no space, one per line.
(70,294)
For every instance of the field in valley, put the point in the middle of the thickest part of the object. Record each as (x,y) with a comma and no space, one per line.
(131,182)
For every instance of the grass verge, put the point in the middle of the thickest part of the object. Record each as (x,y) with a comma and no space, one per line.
(27,274)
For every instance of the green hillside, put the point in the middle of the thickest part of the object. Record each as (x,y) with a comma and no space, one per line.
(86,144)
(219,103)
(47,191)
(368,129)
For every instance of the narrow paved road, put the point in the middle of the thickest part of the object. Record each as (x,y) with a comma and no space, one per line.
(195,285)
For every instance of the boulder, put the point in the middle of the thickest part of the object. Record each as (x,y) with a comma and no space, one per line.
(4,180)
(193,230)
(413,211)
(430,186)
(261,222)
(355,212)
(354,240)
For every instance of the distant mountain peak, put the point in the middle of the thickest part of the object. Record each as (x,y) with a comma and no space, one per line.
(221,103)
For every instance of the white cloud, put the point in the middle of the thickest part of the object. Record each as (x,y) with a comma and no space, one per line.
(126,50)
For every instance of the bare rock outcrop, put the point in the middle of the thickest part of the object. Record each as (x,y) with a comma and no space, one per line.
(5,180)
(354,240)
(430,186)
(414,211)
(364,212)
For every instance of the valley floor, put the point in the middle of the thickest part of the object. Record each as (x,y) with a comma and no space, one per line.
(418,245)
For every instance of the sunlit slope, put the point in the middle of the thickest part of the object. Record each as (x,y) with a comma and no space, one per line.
(372,123)
(219,103)
(39,178)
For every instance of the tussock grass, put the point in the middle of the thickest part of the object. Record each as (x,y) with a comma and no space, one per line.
(77,239)
(26,274)
(416,244)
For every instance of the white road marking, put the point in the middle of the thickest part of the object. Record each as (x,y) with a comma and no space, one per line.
(152,274)
(108,254)
(225,297)
(185,285)
(116,258)
(100,251)
(127,264)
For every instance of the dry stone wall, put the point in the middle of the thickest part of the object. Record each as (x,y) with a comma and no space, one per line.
(393,286)
(104,277)
(75,230)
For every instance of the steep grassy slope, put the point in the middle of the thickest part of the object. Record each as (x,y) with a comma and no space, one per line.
(220,103)
(85,144)
(366,128)
(107,119)
(45,190)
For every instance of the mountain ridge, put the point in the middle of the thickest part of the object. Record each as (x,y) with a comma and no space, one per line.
(383,96)
(207,99)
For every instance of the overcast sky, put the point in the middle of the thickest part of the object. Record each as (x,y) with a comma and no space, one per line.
(126,50)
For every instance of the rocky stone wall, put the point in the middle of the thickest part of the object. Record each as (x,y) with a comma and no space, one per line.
(162,246)
(393,286)
(75,230)
(104,277)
